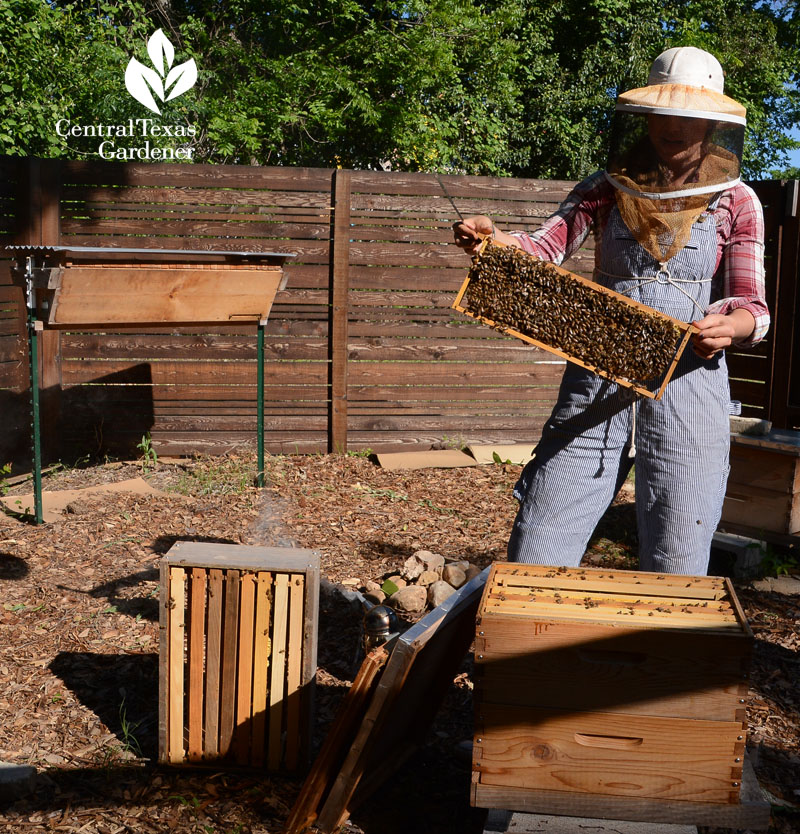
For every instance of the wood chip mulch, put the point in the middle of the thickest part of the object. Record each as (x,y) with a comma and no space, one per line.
(79,639)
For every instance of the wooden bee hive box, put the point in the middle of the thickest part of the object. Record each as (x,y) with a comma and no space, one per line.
(763,492)
(615,693)
(575,318)
(238,646)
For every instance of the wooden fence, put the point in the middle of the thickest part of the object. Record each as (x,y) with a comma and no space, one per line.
(362,348)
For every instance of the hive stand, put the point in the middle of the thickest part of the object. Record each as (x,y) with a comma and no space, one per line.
(79,287)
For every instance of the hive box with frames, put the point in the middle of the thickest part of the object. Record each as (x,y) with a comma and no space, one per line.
(573,317)
(238,654)
(613,694)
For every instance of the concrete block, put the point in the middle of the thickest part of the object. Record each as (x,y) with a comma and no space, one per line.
(748,553)
(16,781)
(519,823)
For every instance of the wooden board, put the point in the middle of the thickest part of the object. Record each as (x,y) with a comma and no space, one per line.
(762,511)
(261,650)
(609,754)
(337,743)
(177,632)
(196,649)
(751,812)
(103,295)
(612,668)
(420,668)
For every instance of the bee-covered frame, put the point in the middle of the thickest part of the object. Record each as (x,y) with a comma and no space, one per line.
(686,329)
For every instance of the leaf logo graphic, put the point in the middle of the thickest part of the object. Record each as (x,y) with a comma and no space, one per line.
(166,81)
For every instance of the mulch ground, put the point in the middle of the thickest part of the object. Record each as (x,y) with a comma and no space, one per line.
(79,639)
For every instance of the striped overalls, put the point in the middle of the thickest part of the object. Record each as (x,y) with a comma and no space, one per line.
(681,441)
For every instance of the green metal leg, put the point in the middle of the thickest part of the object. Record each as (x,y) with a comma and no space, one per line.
(260,406)
(35,422)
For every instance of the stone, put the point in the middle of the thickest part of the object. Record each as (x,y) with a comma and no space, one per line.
(522,823)
(427,577)
(398,580)
(412,568)
(16,781)
(454,575)
(472,571)
(439,592)
(371,585)
(789,585)
(410,599)
(376,596)
(432,561)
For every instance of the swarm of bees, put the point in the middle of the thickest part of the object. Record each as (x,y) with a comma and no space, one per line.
(515,290)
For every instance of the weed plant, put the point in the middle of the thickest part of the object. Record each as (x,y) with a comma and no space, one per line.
(229,475)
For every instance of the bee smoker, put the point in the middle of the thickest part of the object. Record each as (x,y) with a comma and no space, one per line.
(379,625)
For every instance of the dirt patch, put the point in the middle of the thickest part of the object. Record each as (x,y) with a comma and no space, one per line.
(79,638)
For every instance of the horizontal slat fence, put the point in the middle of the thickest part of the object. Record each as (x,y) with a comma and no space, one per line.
(418,370)
(362,349)
(14,374)
(198,391)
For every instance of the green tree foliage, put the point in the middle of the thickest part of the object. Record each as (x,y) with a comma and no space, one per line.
(520,87)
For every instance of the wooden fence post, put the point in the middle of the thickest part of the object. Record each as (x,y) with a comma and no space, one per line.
(784,401)
(338,324)
(39,224)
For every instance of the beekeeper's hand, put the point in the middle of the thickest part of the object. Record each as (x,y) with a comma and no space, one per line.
(470,232)
(720,331)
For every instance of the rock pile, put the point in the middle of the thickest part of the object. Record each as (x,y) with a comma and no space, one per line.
(426,580)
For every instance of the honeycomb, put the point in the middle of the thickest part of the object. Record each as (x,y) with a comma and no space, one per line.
(515,290)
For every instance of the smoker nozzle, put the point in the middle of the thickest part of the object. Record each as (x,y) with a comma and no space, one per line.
(380,623)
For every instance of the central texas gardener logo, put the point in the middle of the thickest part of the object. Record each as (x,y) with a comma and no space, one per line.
(166,81)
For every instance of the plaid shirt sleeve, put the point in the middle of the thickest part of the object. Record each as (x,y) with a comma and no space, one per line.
(740,258)
(563,232)
(740,243)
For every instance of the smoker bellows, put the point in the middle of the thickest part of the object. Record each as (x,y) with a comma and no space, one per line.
(573,317)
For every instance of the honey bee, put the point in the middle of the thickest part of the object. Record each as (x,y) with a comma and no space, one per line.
(512,289)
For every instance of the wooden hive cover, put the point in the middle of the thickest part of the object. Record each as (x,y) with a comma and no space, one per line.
(116,287)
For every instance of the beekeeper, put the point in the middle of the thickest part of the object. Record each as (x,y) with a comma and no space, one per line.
(675,229)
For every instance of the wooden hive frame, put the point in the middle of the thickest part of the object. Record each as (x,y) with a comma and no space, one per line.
(237,660)
(686,330)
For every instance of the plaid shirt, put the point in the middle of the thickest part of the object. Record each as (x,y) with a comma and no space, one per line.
(740,242)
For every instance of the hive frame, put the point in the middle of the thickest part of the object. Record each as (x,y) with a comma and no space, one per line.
(687,329)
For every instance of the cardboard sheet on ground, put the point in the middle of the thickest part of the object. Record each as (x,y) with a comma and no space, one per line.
(515,453)
(54,503)
(430,459)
